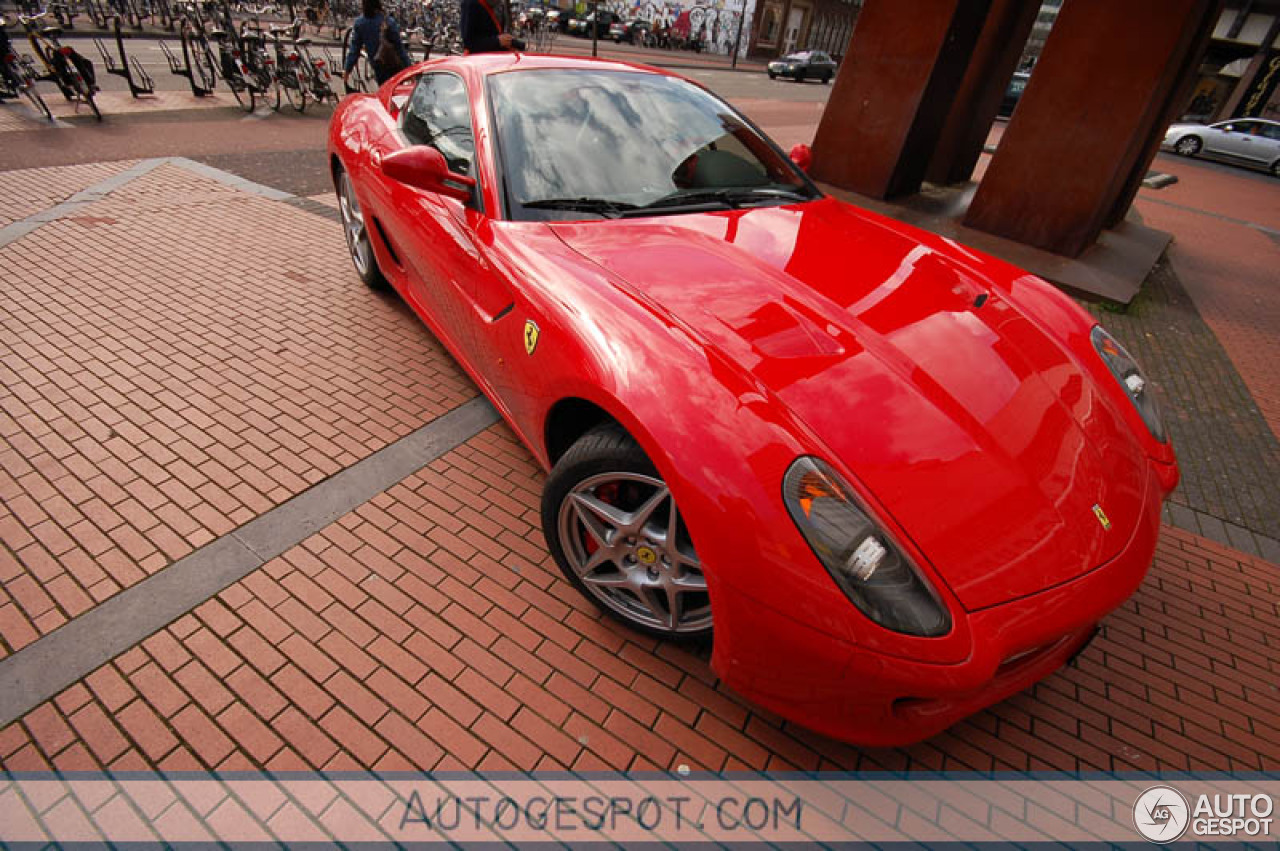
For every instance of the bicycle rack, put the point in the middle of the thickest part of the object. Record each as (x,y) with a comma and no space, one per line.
(128,67)
(182,68)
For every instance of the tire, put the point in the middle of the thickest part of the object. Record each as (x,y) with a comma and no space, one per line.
(799,78)
(1275,169)
(300,79)
(37,100)
(269,89)
(357,235)
(87,93)
(1188,146)
(826,78)
(607,515)
(244,94)
(289,82)
(772,76)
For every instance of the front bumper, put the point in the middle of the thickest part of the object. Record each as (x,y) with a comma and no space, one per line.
(871,698)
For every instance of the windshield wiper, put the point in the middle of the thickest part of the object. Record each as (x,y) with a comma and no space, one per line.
(732,198)
(601,206)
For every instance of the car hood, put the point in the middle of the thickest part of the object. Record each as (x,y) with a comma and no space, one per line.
(972,427)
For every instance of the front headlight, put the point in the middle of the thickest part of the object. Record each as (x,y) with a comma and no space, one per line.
(864,561)
(1129,374)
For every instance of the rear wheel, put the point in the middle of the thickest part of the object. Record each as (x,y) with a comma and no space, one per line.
(289,80)
(357,234)
(37,100)
(268,88)
(300,80)
(613,527)
(1275,169)
(1188,146)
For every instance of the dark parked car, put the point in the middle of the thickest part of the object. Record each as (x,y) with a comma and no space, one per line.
(1013,94)
(807,65)
(602,21)
(634,31)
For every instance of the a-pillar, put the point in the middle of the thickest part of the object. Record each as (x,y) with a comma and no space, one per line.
(977,102)
(1110,78)
(905,61)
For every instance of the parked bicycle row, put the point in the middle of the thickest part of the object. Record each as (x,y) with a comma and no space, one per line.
(71,72)
(260,63)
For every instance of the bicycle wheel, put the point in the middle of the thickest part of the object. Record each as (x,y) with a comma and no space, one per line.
(292,92)
(301,81)
(37,100)
(83,91)
(270,82)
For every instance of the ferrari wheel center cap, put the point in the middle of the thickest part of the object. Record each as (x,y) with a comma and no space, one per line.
(644,555)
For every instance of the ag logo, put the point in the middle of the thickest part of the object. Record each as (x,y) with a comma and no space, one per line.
(1161,814)
(530,336)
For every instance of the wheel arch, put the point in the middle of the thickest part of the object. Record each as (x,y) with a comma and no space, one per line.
(568,420)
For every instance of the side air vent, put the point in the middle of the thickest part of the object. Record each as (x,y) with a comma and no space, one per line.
(391,249)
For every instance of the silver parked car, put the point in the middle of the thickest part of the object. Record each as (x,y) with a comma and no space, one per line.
(1248,141)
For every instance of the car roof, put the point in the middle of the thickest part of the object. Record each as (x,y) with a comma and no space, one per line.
(488,64)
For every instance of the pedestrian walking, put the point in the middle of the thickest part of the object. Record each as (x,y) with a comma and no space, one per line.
(378,35)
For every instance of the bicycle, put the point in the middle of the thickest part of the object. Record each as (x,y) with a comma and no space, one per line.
(71,72)
(20,79)
(316,71)
(234,70)
(263,75)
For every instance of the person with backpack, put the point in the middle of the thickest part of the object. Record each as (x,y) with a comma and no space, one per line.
(377,34)
(484,27)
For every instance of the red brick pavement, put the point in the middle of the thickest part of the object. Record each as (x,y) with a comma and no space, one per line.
(149,407)
(1232,273)
(388,642)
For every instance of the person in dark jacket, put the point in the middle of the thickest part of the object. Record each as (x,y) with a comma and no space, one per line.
(367,35)
(482,27)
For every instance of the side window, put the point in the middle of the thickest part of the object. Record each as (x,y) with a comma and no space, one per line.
(438,114)
(1271,131)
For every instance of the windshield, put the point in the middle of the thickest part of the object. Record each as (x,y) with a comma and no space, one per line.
(607,143)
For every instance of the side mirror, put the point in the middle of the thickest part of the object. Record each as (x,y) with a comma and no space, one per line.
(802,156)
(423,167)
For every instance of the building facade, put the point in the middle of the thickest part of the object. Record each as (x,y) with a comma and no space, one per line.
(781,27)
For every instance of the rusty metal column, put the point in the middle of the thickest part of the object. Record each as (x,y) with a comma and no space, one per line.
(1000,46)
(1090,119)
(905,61)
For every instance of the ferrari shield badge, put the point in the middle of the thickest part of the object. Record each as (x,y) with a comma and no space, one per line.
(1102,516)
(530,336)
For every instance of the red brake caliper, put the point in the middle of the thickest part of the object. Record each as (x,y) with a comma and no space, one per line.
(605,493)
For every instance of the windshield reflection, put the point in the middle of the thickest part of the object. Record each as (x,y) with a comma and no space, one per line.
(626,138)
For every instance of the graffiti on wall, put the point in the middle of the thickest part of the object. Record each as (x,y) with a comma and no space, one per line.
(713,22)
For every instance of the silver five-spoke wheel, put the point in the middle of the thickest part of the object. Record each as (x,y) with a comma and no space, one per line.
(634,557)
(353,224)
(616,531)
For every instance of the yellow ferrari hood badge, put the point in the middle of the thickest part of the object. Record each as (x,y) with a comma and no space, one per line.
(1102,516)
(530,336)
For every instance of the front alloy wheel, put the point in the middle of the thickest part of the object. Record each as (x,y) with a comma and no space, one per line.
(1188,146)
(614,528)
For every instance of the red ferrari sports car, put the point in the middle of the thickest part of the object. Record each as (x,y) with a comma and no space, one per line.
(901,480)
